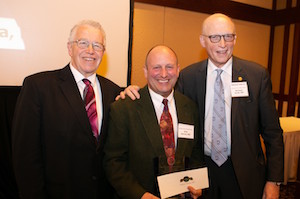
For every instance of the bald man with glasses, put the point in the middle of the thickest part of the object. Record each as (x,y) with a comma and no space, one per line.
(239,169)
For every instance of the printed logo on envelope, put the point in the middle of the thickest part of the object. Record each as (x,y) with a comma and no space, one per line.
(186,179)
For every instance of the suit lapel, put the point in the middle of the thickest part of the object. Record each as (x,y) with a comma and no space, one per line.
(105,101)
(148,117)
(184,146)
(237,75)
(71,92)
(201,93)
(182,118)
(105,108)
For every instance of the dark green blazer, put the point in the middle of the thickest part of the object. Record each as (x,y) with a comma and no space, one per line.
(134,143)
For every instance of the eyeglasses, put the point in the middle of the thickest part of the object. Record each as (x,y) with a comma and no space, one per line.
(217,38)
(84,44)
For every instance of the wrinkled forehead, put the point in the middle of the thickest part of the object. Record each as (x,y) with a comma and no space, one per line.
(161,54)
(88,32)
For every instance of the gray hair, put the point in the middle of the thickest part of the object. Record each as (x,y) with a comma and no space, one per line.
(91,23)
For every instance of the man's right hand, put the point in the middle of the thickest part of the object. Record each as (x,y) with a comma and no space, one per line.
(131,91)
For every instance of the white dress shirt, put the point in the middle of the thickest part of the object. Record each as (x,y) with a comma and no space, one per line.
(159,107)
(226,77)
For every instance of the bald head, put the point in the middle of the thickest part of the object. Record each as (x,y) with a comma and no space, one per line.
(218,38)
(217,22)
(161,70)
(161,49)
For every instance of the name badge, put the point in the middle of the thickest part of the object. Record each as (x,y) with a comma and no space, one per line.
(239,89)
(185,131)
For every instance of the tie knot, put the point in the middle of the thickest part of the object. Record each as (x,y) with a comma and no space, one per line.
(86,81)
(219,72)
(165,102)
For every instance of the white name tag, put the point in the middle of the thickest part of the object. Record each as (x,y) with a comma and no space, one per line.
(185,131)
(239,89)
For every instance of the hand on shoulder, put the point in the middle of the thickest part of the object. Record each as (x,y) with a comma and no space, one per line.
(131,91)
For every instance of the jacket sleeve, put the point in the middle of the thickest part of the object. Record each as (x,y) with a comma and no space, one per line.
(271,131)
(26,143)
(116,155)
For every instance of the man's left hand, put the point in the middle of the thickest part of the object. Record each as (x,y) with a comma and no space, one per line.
(271,191)
(195,193)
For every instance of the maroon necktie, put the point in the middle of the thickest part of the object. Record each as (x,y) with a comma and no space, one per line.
(90,106)
(167,133)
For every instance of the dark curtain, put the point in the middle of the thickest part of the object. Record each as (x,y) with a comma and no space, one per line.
(8,98)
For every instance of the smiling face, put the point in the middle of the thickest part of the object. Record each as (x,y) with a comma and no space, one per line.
(218,24)
(87,60)
(161,70)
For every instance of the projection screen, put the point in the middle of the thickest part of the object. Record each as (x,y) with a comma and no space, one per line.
(34,34)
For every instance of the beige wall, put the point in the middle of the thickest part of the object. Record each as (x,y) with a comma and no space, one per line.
(180,30)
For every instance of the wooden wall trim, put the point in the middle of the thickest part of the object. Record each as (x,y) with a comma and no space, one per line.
(294,76)
(283,66)
(298,100)
(235,10)
(271,47)
(287,16)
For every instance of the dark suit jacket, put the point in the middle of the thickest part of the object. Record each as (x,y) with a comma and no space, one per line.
(250,117)
(54,150)
(134,144)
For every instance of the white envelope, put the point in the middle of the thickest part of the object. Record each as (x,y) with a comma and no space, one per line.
(176,183)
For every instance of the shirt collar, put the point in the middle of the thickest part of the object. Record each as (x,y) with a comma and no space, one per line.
(157,98)
(79,77)
(227,68)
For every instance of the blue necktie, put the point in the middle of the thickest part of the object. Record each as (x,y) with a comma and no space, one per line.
(219,148)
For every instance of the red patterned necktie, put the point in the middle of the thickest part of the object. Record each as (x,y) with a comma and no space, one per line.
(167,133)
(90,106)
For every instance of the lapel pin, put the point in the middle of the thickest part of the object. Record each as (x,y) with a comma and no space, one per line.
(240,78)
